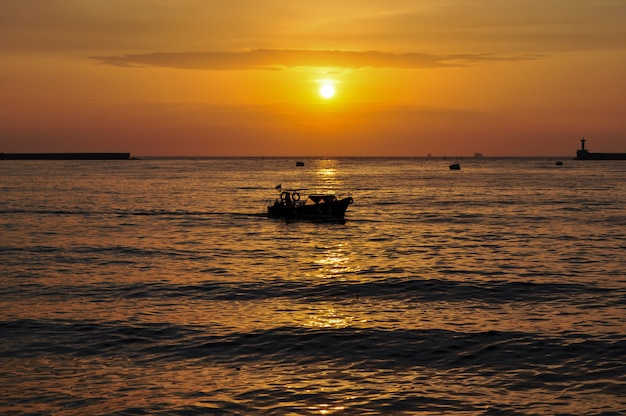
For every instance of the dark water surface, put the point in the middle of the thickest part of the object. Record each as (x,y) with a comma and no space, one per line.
(158,287)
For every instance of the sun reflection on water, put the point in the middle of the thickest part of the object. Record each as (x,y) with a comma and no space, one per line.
(334,262)
(327,409)
(327,316)
(326,172)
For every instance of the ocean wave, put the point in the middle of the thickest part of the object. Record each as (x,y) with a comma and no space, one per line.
(529,357)
(408,290)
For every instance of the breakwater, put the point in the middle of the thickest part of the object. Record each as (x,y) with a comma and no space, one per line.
(64,156)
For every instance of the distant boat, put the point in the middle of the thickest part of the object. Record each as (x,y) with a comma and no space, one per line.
(299,163)
(559,163)
(455,166)
(584,154)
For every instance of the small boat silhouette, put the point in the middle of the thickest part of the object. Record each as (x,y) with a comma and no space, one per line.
(316,207)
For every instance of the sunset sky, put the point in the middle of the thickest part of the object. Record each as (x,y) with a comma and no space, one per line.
(243,78)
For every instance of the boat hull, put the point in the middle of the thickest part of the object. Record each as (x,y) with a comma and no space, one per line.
(327,211)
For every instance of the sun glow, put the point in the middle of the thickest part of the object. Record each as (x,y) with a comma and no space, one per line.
(327,91)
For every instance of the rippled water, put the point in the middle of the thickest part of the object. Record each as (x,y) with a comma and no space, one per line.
(159,287)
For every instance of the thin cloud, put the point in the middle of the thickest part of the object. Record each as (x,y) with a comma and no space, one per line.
(280,59)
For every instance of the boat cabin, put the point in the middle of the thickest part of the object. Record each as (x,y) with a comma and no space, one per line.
(321,198)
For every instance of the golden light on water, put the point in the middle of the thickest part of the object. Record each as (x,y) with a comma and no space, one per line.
(334,262)
(327,409)
(326,172)
(327,317)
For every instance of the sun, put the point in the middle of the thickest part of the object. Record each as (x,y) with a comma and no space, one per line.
(327,91)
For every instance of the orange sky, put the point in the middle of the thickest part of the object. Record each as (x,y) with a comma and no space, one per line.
(242,77)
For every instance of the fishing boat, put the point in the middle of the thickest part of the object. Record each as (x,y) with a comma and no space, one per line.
(455,166)
(316,207)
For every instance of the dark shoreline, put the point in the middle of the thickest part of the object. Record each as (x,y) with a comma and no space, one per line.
(64,156)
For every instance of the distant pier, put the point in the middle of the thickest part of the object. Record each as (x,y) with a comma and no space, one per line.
(584,154)
(64,156)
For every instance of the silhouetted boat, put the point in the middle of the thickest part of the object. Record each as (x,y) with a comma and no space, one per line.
(317,207)
(299,163)
(584,154)
(455,166)
(559,163)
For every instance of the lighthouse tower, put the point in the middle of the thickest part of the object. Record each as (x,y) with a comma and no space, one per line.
(582,154)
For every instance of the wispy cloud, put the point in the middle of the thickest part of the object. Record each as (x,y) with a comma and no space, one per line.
(280,59)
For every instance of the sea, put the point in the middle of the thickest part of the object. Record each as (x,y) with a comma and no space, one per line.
(159,287)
